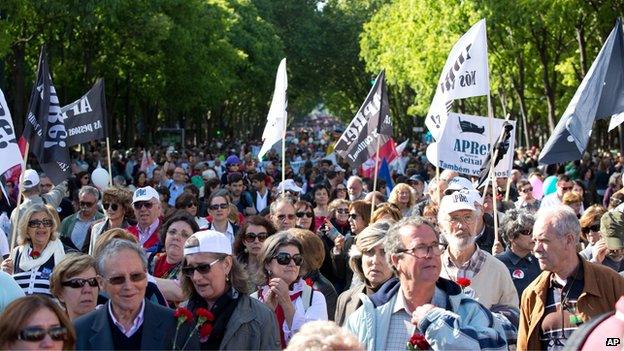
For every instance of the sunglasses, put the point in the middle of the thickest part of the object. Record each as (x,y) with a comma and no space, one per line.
(79,283)
(33,334)
(283,217)
(342,211)
(86,204)
(202,268)
(593,228)
(191,204)
(283,258)
(307,214)
(341,189)
(219,206)
(251,237)
(566,188)
(121,279)
(35,223)
(527,232)
(140,204)
(353,216)
(112,206)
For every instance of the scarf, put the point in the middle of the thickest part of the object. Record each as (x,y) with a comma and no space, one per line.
(223,309)
(54,248)
(295,291)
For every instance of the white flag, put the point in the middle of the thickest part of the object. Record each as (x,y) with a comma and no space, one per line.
(465,74)
(9,150)
(275,128)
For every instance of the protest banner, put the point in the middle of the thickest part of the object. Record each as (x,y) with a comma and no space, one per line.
(464,145)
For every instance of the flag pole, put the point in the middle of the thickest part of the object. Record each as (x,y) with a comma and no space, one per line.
(375,176)
(19,198)
(492,176)
(110,168)
(283,161)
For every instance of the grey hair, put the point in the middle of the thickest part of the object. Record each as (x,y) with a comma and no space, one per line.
(112,248)
(394,242)
(515,221)
(88,189)
(561,218)
(280,200)
(354,178)
(368,238)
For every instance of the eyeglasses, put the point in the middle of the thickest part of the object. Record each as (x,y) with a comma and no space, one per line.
(593,228)
(35,223)
(567,188)
(284,258)
(527,232)
(86,204)
(463,219)
(33,334)
(251,237)
(307,214)
(112,206)
(219,206)
(342,211)
(527,190)
(353,216)
(341,189)
(202,268)
(121,279)
(79,283)
(182,234)
(283,216)
(140,204)
(422,251)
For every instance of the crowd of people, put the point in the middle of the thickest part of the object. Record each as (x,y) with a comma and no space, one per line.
(192,249)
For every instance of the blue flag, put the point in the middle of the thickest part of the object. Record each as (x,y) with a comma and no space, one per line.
(384,173)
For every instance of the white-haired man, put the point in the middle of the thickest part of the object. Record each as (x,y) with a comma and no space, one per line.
(355,188)
(489,279)
(569,291)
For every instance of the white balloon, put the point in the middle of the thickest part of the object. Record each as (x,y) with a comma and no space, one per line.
(99,177)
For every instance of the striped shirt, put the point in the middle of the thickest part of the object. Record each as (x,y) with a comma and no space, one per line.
(35,281)
(467,270)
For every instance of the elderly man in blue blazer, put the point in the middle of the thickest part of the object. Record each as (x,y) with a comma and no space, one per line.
(128,321)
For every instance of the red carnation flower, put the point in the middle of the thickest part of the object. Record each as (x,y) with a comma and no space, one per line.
(205,330)
(35,254)
(309,282)
(182,315)
(463,282)
(204,315)
(418,342)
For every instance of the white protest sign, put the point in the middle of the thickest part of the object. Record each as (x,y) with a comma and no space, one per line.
(465,74)
(464,145)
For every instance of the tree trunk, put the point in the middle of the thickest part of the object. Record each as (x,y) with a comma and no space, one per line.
(19,87)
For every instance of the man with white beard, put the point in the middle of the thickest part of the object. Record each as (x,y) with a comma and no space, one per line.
(486,278)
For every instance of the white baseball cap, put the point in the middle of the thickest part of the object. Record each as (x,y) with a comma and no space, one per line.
(30,179)
(210,241)
(289,185)
(460,200)
(145,194)
(458,183)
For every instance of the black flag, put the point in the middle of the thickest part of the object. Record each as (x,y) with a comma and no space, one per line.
(85,118)
(44,128)
(358,143)
(500,147)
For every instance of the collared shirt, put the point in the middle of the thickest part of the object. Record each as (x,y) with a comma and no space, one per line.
(144,235)
(523,270)
(136,324)
(262,201)
(401,327)
(467,270)
(175,190)
(229,232)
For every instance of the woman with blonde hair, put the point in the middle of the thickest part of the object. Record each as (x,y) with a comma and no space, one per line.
(386,212)
(40,250)
(403,197)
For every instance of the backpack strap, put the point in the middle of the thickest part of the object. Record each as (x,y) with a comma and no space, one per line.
(306,296)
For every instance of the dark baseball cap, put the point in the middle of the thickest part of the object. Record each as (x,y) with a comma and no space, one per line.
(612,229)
